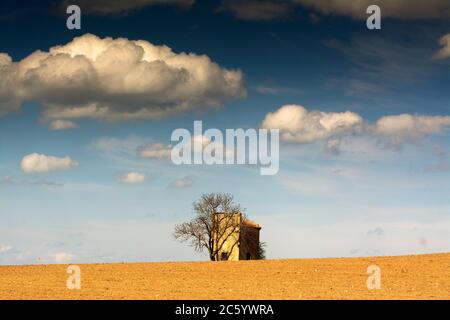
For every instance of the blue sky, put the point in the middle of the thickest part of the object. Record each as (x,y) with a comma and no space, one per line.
(377,187)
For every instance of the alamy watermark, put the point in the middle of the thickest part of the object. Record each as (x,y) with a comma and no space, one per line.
(374,20)
(74,280)
(374,279)
(73,22)
(242,147)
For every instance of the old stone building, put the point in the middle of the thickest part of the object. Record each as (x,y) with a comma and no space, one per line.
(238,238)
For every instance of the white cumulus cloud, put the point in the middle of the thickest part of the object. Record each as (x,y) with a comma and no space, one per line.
(37,163)
(444,52)
(406,127)
(115,80)
(297,124)
(133,178)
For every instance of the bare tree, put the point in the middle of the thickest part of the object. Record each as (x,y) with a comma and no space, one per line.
(262,251)
(215,222)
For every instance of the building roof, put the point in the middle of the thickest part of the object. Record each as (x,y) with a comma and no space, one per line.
(251,224)
(246,222)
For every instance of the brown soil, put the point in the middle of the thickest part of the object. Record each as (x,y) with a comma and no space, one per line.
(405,277)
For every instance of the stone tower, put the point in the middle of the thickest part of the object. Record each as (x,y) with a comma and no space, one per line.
(242,238)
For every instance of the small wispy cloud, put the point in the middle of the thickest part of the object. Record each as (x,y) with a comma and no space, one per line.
(58,125)
(63,257)
(8,180)
(5,248)
(444,52)
(133,178)
(110,146)
(39,163)
(376,232)
(181,183)
(155,151)
(275,90)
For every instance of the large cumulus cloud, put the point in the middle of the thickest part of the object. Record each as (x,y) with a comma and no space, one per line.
(114,80)
(9,101)
(300,125)
(297,124)
(406,127)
